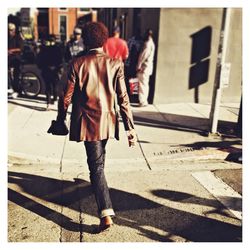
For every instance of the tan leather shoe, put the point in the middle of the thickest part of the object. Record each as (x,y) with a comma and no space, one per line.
(105,223)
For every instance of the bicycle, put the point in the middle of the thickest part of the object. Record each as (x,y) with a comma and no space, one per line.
(29,82)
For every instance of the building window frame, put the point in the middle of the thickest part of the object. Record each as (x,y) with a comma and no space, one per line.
(63,9)
(59,25)
(86,10)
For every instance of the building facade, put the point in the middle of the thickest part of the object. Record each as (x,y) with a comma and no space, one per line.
(62,21)
(187,55)
(187,41)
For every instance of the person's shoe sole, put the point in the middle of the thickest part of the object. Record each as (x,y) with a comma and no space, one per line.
(104,228)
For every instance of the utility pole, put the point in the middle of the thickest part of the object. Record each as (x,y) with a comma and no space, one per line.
(222,71)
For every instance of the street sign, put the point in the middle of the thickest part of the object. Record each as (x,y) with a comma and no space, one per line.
(225,75)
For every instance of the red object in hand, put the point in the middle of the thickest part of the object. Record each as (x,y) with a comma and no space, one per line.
(133,86)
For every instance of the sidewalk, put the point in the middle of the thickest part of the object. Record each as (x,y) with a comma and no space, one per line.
(156,189)
(165,132)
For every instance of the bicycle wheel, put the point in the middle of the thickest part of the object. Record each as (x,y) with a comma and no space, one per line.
(31,84)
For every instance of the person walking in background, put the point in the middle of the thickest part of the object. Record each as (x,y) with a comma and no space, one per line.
(145,67)
(50,61)
(115,46)
(74,46)
(135,44)
(15,47)
(94,82)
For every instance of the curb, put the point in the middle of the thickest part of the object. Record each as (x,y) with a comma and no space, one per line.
(195,155)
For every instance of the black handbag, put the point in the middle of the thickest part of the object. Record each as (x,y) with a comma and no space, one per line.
(58,128)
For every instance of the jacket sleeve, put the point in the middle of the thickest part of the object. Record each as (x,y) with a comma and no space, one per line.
(64,103)
(70,86)
(123,99)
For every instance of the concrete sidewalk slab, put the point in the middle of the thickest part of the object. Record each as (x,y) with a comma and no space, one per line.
(31,136)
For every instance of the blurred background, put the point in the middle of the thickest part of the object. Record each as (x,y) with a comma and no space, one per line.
(186,40)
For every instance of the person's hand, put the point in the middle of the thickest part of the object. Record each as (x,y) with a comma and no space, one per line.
(131,138)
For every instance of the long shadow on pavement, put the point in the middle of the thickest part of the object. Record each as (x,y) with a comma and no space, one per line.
(34,107)
(235,153)
(176,196)
(215,144)
(132,210)
(37,108)
(179,122)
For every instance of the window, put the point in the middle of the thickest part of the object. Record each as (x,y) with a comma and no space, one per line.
(84,9)
(63,27)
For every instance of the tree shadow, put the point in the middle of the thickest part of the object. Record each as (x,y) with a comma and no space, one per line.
(133,211)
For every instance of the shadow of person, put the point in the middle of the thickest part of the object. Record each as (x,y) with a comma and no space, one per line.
(76,195)
(151,219)
(42,210)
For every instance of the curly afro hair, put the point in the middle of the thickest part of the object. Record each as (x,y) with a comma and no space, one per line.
(95,34)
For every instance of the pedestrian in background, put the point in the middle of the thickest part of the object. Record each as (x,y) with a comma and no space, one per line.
(50,61)
(74,46)
(145,67)
(135,44)
(15,47)
(115,46)
(94,82)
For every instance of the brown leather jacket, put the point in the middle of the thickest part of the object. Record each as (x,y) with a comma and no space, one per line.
(94,81)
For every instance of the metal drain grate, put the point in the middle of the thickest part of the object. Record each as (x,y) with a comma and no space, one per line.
(178,151)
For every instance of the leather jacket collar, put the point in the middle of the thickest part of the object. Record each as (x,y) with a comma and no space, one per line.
(96,51)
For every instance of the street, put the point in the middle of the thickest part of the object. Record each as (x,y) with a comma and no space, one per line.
(161,190)
(183,180)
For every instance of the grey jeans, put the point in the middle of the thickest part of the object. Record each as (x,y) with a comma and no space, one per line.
(96,160)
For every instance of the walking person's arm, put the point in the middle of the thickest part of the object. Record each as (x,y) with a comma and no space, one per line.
(125,110)
(145,53)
